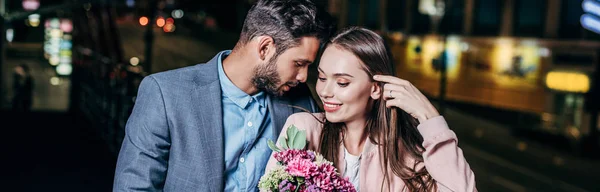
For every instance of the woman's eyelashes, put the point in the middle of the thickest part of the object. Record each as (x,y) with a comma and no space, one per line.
(322,79)
(341,83)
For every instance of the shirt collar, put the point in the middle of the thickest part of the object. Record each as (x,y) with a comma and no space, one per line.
(232,92)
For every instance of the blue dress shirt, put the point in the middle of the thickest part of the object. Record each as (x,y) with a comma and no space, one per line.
(247,127)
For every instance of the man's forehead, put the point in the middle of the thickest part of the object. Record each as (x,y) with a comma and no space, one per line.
(307,49)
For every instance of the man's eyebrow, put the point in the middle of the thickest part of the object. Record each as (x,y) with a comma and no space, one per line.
(306,61)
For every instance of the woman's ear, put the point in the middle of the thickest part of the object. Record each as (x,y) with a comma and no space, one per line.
(376,90)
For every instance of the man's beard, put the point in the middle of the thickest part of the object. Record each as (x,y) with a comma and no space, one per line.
(266,78)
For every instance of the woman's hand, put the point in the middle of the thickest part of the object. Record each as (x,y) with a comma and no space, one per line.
(402,94)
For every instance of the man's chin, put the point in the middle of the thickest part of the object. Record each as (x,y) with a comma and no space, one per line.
(281,91)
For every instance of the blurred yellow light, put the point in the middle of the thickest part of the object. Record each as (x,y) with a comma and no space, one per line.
(54,81)
(33,20)
(144,21)
(573,132)
(397,36)
(134,61)
(33,23)
(568,81)
(54,60)
(56,33)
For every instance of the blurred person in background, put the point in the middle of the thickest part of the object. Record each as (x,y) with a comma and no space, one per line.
(22,89)
(206,127)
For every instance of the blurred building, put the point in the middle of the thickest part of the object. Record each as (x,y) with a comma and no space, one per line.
(530,59)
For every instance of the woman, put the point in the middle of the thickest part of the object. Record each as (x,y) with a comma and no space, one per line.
(374,120)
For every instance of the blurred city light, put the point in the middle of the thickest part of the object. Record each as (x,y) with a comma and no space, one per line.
(54,81)
(10,34)
(591,6)
(58,44)
(30,5)
(428,7)
(544,52)
(170,20)
(130,3)
(453,54)
(160,22)
(66,25)
(54,23)
(590,22)
(33,20)
(397,36)
(568,81)
(464,46)
(134,61)
(177,14)
(56,33)
(64,69)
(54,60)
(144,21)
(169,27)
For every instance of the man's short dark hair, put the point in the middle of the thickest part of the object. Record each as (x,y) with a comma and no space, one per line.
(286,21)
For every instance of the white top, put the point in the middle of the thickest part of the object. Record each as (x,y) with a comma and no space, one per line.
(352,165)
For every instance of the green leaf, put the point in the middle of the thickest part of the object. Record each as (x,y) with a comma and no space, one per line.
(291,133)
(283,144)
(299,140)
(300,180)
(273,146)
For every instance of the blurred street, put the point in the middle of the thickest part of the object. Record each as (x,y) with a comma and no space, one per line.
(171,50)
(63,149)
(518,131)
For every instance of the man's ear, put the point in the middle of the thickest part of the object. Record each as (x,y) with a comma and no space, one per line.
(266,47)
(376,90)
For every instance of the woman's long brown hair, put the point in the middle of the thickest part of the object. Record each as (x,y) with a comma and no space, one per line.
(392,129)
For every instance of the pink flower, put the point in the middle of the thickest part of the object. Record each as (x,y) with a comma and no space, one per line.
(285,156)
(307,175)
(342,184)
(299,167)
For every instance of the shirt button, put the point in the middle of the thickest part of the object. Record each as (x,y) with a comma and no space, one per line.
(242,160)
(249,124)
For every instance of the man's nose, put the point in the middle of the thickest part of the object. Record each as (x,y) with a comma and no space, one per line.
(302,74)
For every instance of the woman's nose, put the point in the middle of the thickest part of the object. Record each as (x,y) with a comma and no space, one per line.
(325,90)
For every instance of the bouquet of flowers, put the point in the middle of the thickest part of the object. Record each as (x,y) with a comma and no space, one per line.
(301,170)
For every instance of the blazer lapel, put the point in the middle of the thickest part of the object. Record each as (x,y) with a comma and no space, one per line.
(206,99)
(279,112)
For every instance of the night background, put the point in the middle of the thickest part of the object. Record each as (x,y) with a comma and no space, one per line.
(517,80)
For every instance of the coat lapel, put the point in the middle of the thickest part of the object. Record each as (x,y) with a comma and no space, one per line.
(279,112)
(206,99)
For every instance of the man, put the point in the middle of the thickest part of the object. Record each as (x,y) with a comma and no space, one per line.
(206,127)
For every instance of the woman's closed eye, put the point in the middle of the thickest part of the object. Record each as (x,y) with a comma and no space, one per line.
(322,79)
(343,84)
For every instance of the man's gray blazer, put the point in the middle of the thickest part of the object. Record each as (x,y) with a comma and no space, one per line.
(174,136)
